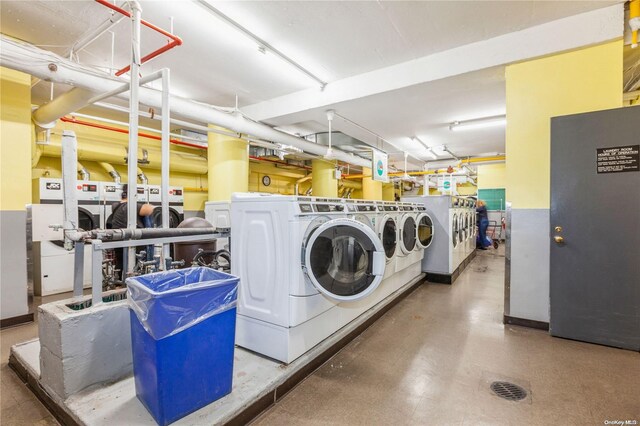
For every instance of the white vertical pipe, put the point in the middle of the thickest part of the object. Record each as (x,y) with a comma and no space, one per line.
(164,165)
(132,166)
(69,156)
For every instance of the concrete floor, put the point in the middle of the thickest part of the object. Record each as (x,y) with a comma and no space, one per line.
(19,404)
(429,361)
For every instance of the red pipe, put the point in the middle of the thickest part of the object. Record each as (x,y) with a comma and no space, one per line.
(278,162)
(176,41)
(74,120)
(125,131)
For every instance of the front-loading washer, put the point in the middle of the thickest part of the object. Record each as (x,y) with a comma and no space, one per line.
(53,265)
(388,234)
(408,236)
(306,270)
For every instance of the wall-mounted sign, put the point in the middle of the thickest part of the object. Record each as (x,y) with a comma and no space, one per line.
(380,166)
(266,180)
(618,159)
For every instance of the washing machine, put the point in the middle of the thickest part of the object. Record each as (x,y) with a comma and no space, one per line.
(364,211)
(176,208)
(110,196)
(388,218)
(144,196)
(306,270)
(176,205)
(408,236)
(53,264)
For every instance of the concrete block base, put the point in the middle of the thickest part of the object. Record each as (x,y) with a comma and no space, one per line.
(84,347)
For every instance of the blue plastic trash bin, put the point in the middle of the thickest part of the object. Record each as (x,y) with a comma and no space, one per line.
(182,333)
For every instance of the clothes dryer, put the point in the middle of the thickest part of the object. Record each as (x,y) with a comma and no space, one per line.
(306,270)
(442,257)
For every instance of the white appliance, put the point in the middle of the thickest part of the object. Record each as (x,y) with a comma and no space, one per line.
(115,194)
(364,211)
(445,253)
(53,265)
(387,229)
(305,270)
(425,228)
(110,195)
(176,205)
(407,231)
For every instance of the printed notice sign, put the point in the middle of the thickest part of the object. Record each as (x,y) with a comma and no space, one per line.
(618,159)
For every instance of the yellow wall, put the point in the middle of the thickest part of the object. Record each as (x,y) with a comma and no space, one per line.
(492,176)
(15,140)
(584,80)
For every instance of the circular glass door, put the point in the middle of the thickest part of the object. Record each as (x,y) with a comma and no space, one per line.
(408,229)
(364,220)
(344,259)
(466,226)
(425,230)
(454,229)
(156,218)
(85,220)
(389,237)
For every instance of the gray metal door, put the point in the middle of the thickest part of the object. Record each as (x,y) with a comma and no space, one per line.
(595,228)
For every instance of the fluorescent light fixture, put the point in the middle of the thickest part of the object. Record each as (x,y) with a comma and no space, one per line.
(262,45)
(430,152)
(440,150)
(479,123)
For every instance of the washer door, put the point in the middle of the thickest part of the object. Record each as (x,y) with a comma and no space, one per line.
(156,218)
(454,229)
(389,236)
(364,220)
(344,259)
(86,221)
(408,234)
(425,231)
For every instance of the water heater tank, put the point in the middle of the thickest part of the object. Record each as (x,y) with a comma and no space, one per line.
(186,251)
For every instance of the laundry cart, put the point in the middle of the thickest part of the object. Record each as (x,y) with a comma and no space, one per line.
(182,333)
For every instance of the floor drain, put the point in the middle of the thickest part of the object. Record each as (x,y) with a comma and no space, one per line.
(508,391)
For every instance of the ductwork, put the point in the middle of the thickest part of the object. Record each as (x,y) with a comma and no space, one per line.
(111,170)
(88,82)
(142,177)
(84,173)
(100,151)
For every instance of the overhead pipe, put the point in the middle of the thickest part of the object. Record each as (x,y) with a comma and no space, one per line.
(175,40)
(51,67)
(93,34)
(111,171)
(102,151)
(84,173)
(126,131)
(299,181)
(142,177)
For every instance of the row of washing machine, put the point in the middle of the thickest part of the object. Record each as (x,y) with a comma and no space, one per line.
(52,264)
(309,266)
(454,221)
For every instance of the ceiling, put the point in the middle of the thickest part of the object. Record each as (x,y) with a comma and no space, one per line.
(334,40)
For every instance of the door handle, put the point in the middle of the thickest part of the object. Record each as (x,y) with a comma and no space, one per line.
(558,239)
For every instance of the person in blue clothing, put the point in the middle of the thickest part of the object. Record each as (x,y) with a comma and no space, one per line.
(483,224)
